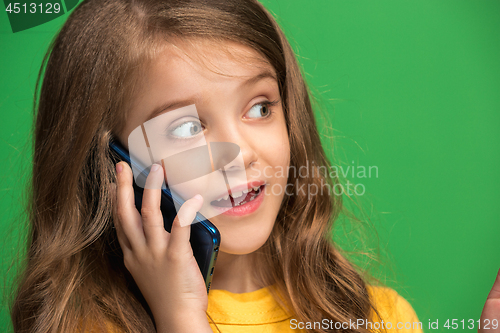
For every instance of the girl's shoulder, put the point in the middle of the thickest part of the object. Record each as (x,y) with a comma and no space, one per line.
(395,313)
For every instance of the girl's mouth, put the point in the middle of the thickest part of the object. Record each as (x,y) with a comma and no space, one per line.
(240,203)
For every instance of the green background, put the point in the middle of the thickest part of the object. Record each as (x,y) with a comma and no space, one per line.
(412,87)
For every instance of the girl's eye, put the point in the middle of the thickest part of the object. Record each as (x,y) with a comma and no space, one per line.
(260,110)
(187,129)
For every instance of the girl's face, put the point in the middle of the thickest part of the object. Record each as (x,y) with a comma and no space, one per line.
(231,86)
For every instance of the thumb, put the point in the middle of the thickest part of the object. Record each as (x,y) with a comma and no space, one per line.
(495,290)
(491,311)
(181,228)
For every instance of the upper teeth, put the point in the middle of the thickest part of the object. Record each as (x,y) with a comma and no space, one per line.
(238,194)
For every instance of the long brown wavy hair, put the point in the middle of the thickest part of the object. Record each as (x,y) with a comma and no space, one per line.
(74,273)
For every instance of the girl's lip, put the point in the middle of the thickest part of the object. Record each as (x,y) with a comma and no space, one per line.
(245,209)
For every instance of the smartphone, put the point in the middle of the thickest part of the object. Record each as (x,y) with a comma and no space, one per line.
(205,238)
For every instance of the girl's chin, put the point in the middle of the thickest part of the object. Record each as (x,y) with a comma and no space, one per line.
(241,246)
(237,250)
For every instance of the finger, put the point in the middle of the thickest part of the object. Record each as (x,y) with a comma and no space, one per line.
(122,238)
(181,228)
(152,219)
(129,218)
(495,290)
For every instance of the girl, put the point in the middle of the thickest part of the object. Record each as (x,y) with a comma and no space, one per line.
(95,263)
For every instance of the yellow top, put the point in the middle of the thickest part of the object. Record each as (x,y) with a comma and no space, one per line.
(257,311)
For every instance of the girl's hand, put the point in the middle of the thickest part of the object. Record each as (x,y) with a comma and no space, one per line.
(161,263)
(491,309)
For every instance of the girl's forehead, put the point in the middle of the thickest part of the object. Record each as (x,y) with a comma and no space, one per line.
(222,58)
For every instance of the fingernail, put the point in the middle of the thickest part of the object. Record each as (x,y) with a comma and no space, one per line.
(198,197)
(119,168)
(154,167)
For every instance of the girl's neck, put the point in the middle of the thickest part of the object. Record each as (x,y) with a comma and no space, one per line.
(235,273)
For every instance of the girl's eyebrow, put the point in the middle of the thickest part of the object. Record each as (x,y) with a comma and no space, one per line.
(168,106)
(266,74)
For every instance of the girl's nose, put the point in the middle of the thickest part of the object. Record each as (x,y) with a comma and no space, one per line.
(243,141)
(246,156)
